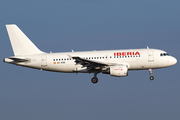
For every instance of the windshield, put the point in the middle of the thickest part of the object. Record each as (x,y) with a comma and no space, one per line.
(164,54)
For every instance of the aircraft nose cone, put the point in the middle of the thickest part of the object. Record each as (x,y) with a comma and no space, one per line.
(174,61)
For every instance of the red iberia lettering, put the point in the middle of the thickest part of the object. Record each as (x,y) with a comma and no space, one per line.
(119,54)
(126,53)
(123,53)
(129,53)
(137,53)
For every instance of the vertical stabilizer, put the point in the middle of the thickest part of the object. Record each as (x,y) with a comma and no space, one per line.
(21,44)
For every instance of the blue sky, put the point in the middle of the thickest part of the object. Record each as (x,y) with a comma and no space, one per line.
(83,25)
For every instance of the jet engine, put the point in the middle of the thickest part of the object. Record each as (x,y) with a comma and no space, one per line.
(118,71)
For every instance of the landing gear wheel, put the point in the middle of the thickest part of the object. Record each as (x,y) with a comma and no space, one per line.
(94,80)
(151,78)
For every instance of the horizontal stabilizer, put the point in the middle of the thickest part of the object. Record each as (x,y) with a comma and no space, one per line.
(16,60)
(19,59)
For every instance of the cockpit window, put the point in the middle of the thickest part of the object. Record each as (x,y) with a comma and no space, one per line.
(164,54)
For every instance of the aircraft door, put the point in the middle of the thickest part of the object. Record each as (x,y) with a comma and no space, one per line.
(43,60)
(150,56)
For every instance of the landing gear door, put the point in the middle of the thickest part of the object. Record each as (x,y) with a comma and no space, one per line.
(150,56)
(43,60)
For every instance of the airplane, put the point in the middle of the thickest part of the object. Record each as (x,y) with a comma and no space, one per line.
(113,62)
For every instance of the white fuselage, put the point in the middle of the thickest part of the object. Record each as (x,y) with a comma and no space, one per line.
(135,59)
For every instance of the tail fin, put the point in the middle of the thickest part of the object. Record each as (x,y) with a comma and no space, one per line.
(20,43)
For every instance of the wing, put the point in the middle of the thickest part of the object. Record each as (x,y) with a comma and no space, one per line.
(92,65)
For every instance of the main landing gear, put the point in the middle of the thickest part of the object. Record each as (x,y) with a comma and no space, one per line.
(150,72)
(94,79)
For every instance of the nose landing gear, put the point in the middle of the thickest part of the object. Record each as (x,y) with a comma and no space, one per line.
(151,78)
(150,72)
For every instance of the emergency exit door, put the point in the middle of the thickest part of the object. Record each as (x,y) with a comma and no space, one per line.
(43,60)
(150,56)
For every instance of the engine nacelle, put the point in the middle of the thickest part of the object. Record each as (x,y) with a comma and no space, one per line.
(118,71)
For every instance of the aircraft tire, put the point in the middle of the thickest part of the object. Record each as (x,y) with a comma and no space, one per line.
(94,80)
(151,78)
